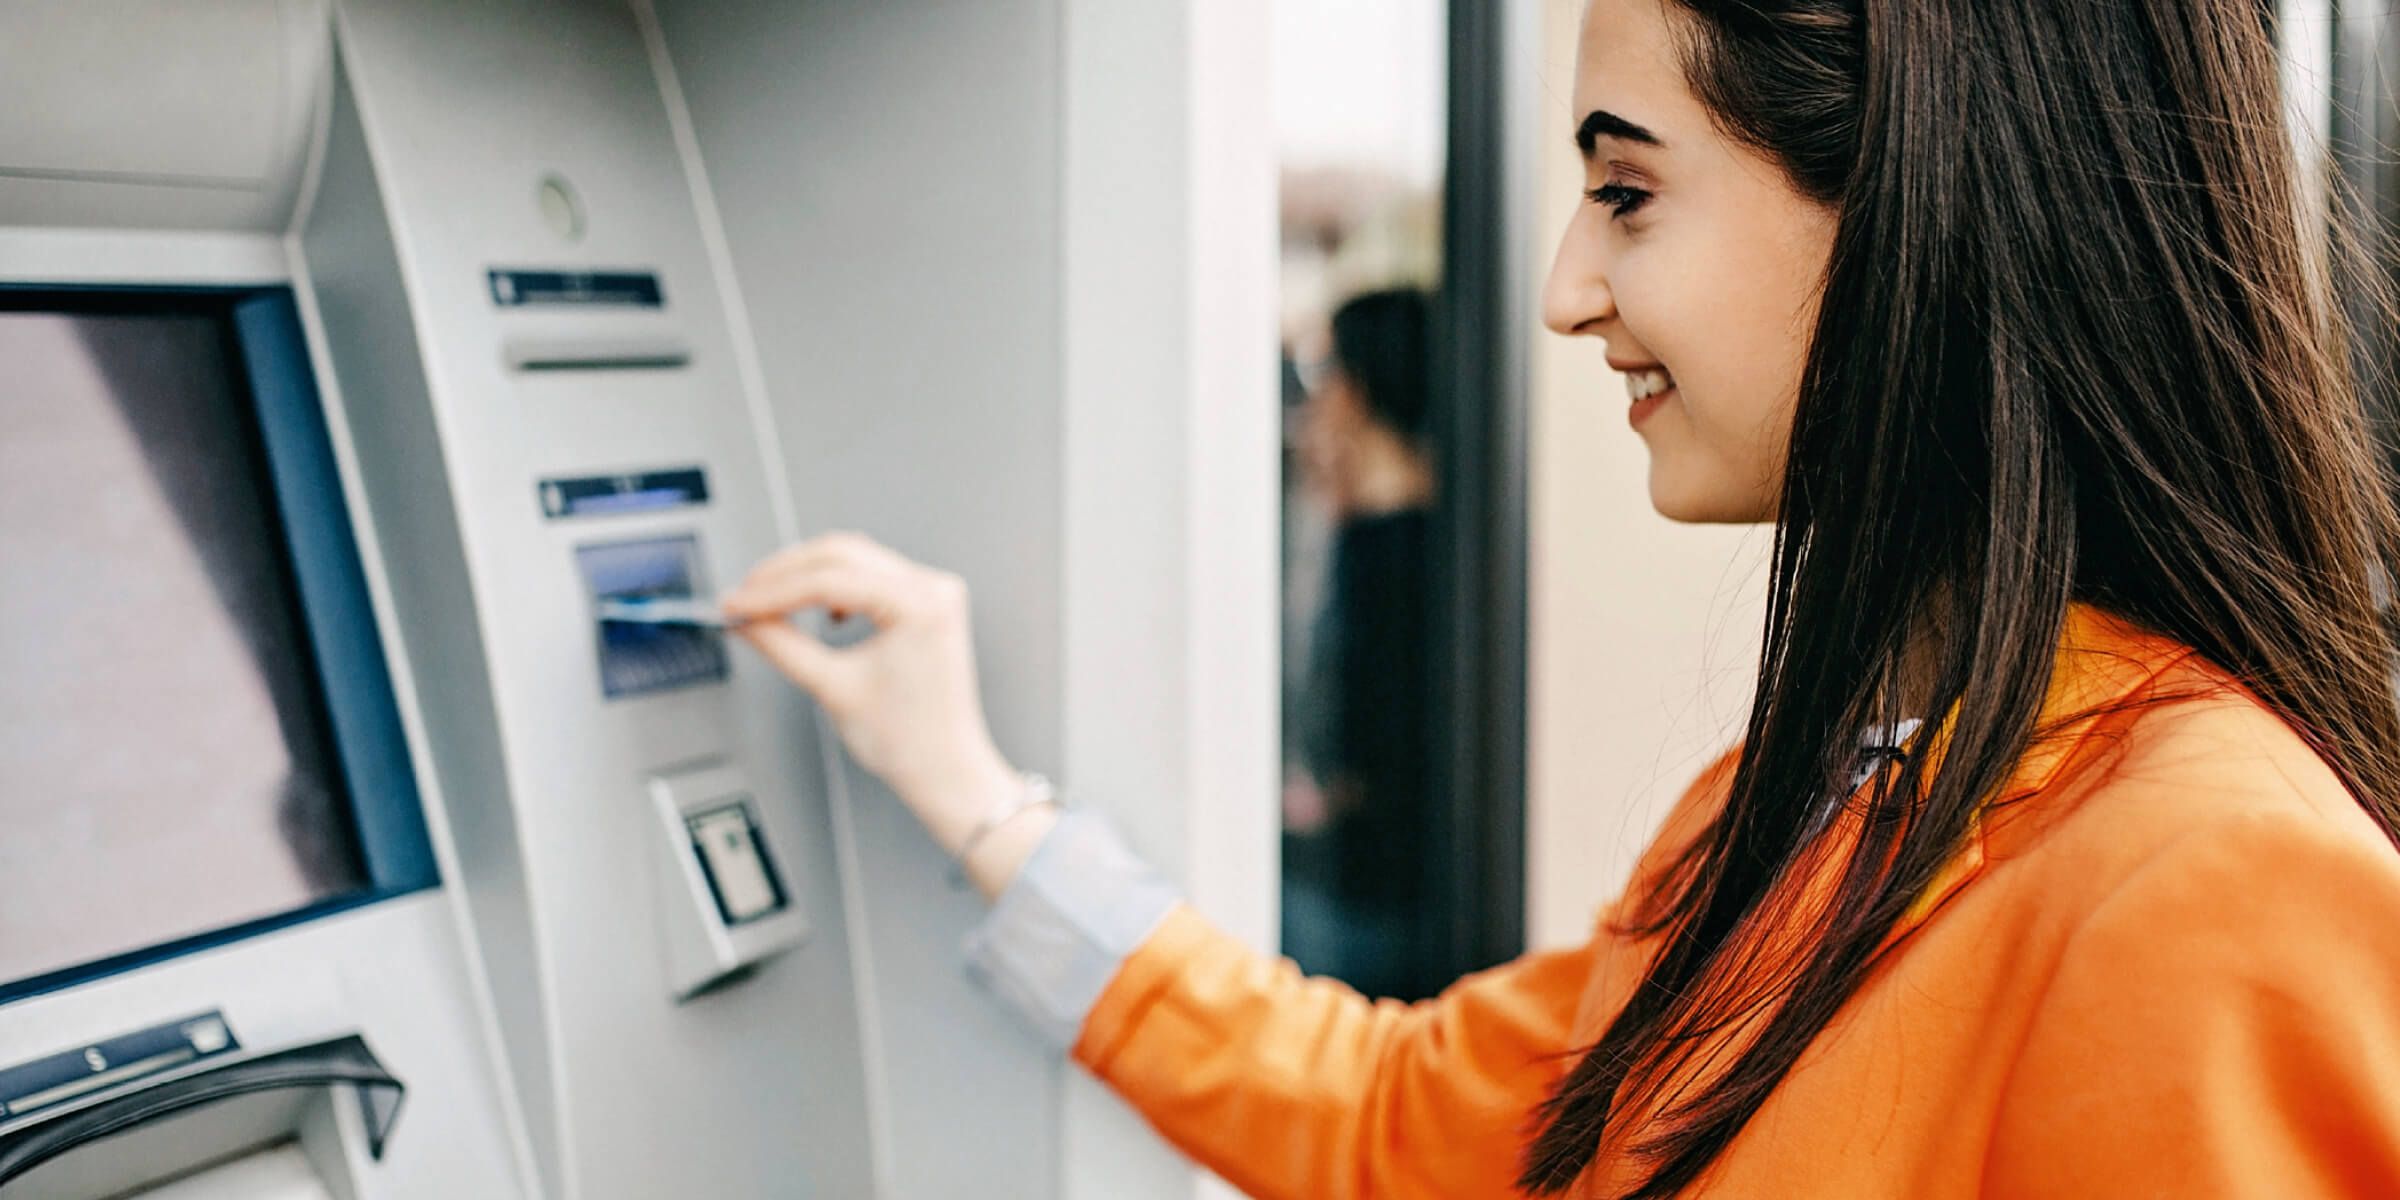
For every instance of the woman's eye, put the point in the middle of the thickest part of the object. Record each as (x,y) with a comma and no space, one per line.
(1620,199)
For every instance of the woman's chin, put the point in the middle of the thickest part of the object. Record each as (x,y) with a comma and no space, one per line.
(1691,500)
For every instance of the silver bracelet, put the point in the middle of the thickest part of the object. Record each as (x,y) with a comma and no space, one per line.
(1038,793)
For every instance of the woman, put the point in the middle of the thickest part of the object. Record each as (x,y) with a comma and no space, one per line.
(2001,310)
(1354,891)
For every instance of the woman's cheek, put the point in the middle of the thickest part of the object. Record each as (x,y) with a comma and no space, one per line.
(1730,389)
(1646,304)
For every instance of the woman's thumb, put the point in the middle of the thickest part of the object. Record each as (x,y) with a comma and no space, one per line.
(806,661)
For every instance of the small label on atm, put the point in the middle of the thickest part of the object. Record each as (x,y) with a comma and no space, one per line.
(636,289)
(638,491)
(72,1074)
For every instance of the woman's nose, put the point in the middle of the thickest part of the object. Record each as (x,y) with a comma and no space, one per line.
(1577,299)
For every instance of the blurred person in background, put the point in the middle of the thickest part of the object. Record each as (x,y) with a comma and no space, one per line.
(1358,809)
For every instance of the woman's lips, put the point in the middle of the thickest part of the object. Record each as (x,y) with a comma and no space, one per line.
(1645,406)
(1648,386)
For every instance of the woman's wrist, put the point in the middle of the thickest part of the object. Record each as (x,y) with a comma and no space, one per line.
(953,803)
(995,861)
(978,814)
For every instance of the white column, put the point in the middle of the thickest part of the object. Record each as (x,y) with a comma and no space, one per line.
(1172,486)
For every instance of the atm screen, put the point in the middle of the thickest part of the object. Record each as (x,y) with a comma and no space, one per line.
(167,763)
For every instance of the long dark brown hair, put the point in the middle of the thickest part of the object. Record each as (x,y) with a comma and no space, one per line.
(2074,346)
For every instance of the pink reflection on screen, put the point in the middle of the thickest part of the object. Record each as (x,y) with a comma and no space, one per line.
(165,768)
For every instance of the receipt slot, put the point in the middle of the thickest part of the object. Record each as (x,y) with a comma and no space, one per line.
(723,905)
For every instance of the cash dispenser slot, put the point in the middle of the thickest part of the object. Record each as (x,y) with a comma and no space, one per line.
(122,1128)
(596,353)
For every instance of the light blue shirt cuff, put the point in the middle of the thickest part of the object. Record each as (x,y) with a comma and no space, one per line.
(1057,936)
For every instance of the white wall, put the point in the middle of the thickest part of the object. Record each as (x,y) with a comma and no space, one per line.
(1171,439)
(1644,633)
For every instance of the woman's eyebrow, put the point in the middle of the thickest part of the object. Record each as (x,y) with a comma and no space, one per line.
(1600,123)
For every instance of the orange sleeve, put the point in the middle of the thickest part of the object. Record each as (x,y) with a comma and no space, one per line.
(1297,1087)
(1294,1087)
(2226,1023)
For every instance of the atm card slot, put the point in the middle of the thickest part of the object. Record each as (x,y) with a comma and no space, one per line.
(659,610)
(638,657)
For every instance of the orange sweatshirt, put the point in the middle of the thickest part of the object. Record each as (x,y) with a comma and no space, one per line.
(2171,969)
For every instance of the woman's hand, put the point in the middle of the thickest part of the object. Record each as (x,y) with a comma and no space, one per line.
(904,700)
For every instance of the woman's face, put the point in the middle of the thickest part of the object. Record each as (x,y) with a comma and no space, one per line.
(1696,262)
(1333,422)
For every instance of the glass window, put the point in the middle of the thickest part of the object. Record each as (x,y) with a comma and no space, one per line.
(2342,65)
(1387,879)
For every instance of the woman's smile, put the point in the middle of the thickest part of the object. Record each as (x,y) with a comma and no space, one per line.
(1648,388)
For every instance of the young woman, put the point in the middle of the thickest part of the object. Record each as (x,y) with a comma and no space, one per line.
(2004,312)
(1359,782)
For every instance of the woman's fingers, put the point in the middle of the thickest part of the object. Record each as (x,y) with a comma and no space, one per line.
(788,557)
(904,700)
(825,578)
(840,547)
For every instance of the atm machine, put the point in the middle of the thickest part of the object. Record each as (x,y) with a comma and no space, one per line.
(355,365)
(362,362)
